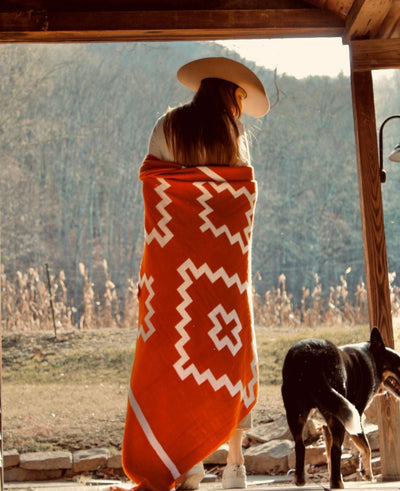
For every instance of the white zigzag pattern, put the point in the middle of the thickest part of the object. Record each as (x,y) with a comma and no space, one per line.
(208,225)
(166,217)
(150,311)
(225,341)
(247,393)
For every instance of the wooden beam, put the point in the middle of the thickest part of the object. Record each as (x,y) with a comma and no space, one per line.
(131,5)
(388,416)
(343,7)
(340,8)
(374,54)
(364,17)
(167,25)
(1,380)
(376,273)
(371,206)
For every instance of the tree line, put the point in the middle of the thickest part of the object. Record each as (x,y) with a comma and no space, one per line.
(74,127)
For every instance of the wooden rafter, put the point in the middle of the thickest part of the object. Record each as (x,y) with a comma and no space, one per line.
(340,8)
(390,27)
(140,20)
(365,18)
(167,25)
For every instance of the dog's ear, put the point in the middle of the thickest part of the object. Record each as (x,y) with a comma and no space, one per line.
(376,340)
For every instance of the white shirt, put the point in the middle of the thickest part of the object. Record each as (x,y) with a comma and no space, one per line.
(159,148)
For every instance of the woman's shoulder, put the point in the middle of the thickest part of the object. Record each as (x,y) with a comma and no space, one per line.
(159,124)
(158,143)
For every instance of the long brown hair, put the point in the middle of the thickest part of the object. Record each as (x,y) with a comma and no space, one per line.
(205,130)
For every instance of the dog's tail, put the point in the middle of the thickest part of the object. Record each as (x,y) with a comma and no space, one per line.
(332,403)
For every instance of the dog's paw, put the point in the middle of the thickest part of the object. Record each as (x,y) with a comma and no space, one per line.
(299,480)
(366,476)
(337,484)
(370,478)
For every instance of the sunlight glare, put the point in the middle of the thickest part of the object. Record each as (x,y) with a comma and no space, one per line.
(297,57)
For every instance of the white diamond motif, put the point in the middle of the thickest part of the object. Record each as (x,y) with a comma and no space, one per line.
(227,318)
(247,393)
(220,185)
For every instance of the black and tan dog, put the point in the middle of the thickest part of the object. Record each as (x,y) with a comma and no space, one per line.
(340,383)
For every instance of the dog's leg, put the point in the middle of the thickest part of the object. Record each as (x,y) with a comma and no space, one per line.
(296,422)
(362,444)
(300,450)
(328,445)
(337,432)
(297,411)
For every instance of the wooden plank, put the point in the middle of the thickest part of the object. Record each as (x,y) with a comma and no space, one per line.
(365,17)
(371,204)
(388,416)
(374,54)
(340,8)
(375,255)
(39,26)
(390,27)
(1,382)
(131,5)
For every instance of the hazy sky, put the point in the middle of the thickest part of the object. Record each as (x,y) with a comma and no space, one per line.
(298,57)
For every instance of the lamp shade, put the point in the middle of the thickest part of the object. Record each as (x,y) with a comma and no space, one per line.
(395,154)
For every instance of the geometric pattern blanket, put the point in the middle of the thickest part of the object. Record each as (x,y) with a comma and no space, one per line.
(195,374)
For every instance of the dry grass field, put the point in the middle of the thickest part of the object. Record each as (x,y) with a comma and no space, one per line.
(70,392)
(65,380)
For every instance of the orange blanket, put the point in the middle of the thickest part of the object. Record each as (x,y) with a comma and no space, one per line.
(195,373)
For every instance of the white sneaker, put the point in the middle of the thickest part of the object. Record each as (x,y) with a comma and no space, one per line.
(193,477)
(234,476)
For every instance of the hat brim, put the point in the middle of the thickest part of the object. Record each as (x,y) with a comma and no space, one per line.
(256,103)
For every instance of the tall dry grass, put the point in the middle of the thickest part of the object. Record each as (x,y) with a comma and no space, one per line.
(318,308)
(26,303)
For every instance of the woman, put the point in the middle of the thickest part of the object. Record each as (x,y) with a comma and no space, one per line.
(199,195)
(208,130)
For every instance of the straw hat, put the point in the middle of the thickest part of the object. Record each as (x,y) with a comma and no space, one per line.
(256,103)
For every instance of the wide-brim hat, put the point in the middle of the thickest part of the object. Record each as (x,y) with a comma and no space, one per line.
(256,103)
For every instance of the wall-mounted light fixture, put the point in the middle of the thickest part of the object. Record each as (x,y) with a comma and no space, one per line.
(394,156)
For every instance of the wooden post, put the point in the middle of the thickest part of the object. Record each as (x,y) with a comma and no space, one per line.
(376,273)
(1,364)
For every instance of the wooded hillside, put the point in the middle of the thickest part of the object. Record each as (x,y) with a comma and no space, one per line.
(74,126)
